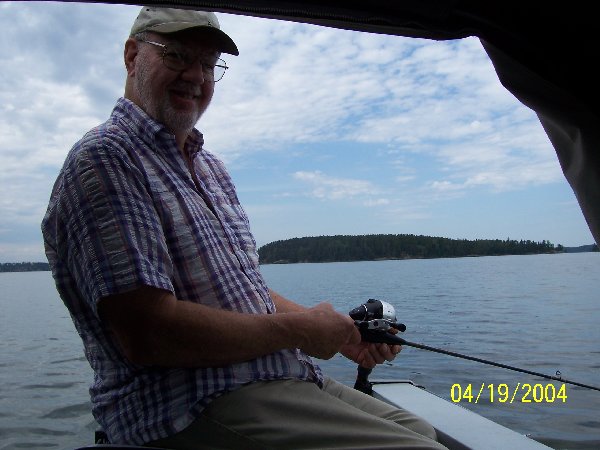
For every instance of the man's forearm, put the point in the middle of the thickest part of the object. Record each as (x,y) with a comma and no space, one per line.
(154,328)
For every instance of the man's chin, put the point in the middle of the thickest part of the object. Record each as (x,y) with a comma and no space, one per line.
(178,122)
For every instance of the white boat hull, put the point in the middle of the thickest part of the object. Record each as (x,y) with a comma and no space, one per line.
(457,427)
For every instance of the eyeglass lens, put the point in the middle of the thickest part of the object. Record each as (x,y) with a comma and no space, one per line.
(177,59)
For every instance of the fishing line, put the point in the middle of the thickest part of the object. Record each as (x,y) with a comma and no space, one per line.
(376,318)
(556,377)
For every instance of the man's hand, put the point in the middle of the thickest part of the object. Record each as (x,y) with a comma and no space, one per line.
(369,354)
(325,338)
(325,331)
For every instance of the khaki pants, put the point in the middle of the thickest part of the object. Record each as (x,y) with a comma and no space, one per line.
(289,414)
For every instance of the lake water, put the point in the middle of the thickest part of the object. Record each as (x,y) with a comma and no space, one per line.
(538,312)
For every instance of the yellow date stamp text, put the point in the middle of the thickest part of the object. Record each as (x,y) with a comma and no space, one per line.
(503,393)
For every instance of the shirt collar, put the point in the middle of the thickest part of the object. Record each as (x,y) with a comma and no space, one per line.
(153,133)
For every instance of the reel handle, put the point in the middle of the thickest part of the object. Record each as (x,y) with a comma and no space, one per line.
(362,382)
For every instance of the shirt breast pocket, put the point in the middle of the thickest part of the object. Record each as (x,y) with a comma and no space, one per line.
(237,221)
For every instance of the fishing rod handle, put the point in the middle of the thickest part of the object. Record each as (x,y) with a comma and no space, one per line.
(362,382)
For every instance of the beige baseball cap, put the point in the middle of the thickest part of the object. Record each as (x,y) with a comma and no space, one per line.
(171,20)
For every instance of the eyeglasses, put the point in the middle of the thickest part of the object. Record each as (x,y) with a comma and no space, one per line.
(178,59)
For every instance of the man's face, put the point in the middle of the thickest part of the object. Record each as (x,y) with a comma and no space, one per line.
(176,99)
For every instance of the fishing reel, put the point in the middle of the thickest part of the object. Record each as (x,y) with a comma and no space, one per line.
(375,319)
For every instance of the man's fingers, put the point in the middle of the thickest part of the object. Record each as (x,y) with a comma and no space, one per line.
(384,352)
(366,359)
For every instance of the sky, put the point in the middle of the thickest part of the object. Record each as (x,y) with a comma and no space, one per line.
(324,131)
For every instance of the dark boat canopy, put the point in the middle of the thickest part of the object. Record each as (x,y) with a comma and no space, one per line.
(543,52)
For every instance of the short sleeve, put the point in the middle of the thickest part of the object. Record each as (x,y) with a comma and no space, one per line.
(110,237)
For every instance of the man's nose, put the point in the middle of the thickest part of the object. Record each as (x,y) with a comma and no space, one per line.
(195,72)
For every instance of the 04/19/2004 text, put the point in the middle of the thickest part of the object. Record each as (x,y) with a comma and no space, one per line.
(503,393)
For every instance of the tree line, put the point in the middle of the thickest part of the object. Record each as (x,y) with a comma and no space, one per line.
(374,247)
(24,267)
(393,246)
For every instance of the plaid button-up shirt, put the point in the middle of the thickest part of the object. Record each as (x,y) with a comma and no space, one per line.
(126,212)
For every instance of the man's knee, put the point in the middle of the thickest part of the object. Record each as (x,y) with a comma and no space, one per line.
(379,408)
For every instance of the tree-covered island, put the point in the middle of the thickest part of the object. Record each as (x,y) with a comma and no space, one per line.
(393,246)
(24,267)
(374,247)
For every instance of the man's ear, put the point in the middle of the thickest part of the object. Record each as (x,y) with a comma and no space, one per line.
(130,54)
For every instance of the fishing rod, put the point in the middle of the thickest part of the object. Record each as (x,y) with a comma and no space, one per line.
(376,321)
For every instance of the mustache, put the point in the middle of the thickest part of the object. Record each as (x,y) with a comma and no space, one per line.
(186,87)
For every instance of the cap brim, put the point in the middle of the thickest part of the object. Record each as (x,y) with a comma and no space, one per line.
(225,43)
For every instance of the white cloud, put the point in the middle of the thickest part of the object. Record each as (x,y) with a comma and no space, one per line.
(446,186)
(332,188)
(376,202)
(36,131)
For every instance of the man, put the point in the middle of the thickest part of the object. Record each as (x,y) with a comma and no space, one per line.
(152,254)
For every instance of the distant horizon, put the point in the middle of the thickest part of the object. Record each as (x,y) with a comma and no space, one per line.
(370,234)
(428,235)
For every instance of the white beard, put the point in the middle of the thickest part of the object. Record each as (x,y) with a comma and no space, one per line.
(160,108)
